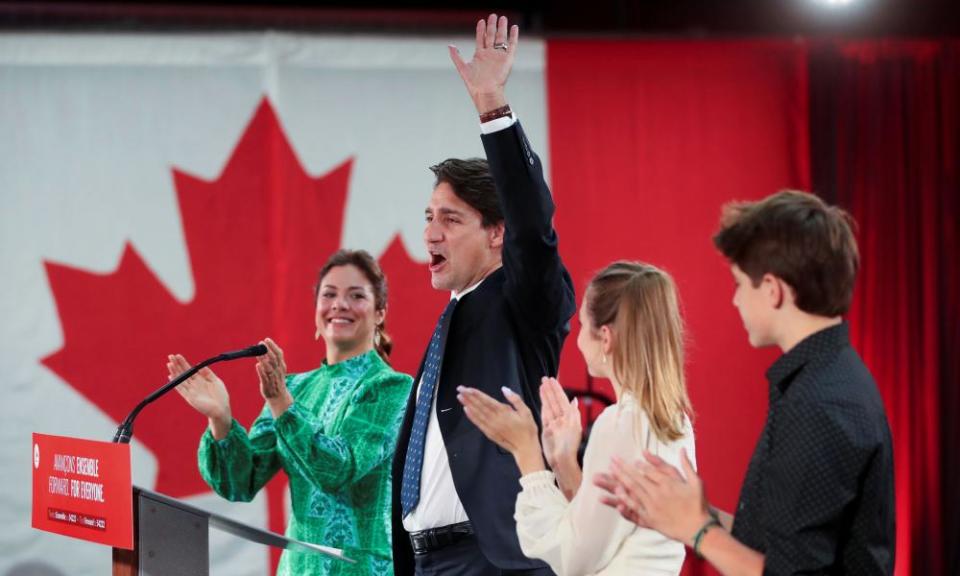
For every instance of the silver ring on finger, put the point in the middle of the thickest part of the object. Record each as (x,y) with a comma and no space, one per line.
(500,46)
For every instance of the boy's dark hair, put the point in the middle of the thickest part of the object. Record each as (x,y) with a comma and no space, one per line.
(471,182)
(800,239)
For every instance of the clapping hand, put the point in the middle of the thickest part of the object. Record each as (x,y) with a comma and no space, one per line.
(654,494)
(272,371)
(205,392)
(510,426)
(562,428)
(485,75)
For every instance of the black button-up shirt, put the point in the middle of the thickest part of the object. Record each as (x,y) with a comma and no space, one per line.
(818,494)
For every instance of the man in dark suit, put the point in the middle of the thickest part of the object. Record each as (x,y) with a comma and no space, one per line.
(492,245)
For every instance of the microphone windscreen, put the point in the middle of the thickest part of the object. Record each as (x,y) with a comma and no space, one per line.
(258,350)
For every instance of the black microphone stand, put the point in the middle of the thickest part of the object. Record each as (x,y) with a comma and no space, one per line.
(125,430)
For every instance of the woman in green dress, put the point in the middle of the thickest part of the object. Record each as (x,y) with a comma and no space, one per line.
(332,430)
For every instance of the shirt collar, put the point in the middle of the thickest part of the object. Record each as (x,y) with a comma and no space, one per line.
(360,361)
(817,346)
(465,291)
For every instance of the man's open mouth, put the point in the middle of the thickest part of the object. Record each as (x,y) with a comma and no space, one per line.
(436,261)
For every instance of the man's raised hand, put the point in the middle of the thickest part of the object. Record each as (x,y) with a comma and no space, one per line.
(485,75)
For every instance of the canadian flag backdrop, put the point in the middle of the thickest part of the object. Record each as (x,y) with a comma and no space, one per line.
(178,193)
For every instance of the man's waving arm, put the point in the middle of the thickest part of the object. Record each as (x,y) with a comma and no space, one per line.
(538,285)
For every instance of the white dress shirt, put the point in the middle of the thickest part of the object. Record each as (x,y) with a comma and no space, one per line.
(439,503)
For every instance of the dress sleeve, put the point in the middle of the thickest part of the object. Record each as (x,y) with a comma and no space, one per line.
(236,467)
(582,536)
(367,436)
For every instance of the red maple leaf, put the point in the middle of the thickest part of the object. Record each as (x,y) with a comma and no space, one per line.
(257,236)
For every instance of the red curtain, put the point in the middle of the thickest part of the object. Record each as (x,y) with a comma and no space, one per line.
(647,141)
(885,126)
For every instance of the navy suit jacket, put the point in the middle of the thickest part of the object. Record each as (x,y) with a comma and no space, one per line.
(506,332)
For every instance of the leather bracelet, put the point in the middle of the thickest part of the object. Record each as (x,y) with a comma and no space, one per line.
(715,514)
(698,538)
(495,113)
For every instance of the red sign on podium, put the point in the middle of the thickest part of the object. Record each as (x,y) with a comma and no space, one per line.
(83,489)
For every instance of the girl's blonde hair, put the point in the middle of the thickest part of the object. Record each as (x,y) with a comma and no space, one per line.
(639,303)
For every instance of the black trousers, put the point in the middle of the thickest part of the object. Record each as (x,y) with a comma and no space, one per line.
(464,558)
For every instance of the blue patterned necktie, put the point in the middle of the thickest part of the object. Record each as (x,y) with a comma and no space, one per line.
(413,464)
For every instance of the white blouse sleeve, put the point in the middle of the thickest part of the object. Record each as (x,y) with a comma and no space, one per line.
(582,536)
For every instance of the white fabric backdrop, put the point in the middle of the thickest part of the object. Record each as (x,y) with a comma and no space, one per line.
(92,126)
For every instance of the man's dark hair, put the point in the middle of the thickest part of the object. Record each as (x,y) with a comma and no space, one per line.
(800,239)
(471,182)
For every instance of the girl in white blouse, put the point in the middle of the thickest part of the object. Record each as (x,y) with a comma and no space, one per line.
(631,333)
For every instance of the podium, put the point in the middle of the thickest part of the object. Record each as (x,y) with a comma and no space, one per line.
(81,488)
(171,538)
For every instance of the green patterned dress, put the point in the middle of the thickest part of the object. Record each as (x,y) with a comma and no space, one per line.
(336,443)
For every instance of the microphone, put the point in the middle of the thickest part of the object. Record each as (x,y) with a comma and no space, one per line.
(258,350)
(125,430)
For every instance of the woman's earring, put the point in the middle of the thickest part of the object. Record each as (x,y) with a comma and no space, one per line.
(603,358)
(316,335)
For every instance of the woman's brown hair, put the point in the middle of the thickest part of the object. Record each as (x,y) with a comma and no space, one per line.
(368,266)
(639,304)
